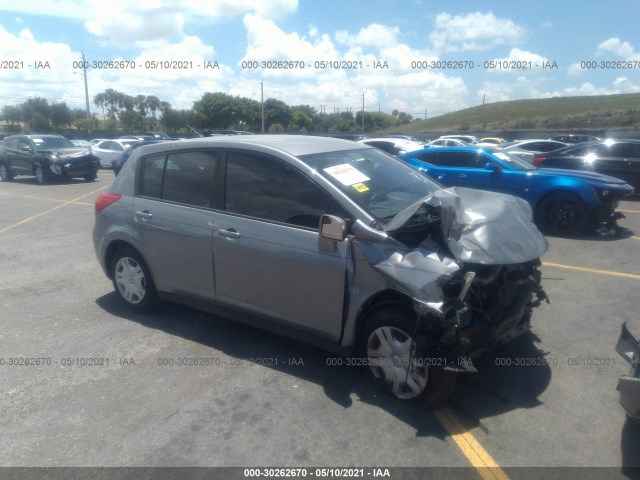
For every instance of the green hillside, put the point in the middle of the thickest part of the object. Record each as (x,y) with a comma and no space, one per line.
(603,111)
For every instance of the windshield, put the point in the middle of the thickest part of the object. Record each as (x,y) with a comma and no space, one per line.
(47,143)
(380,184)
(514,162)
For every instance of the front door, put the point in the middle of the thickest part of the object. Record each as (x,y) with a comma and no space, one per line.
(266,246)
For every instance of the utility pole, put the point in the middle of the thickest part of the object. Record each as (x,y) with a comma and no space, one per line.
(262,101)
(425,113)
(362,112)
(86,92)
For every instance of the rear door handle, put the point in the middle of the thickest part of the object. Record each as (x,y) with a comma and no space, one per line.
(231,233)
(463,175)
(146,215)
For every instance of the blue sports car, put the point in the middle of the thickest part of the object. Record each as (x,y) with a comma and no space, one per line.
(564,202)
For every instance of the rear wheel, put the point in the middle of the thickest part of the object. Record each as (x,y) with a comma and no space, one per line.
(390,349)
(4,173)
(91,177)
(561,213)
(132,280)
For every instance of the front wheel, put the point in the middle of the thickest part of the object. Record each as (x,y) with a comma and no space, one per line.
(132,280)
(91,177)
(38,171)
(4,173)
(561,213)
(390,350)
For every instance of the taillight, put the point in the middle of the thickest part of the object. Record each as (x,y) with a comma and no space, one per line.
(537,160)
(106,199)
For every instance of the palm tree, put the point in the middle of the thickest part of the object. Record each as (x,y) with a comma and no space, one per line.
(153,103)
(99,101)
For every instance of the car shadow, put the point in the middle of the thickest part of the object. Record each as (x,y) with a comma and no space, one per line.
(510,377)
(630,449)
(618,233)
(50,181)
(502,389)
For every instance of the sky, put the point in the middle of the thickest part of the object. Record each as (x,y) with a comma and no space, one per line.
(422,57)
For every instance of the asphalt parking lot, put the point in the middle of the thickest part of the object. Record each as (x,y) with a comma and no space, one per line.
(109,389)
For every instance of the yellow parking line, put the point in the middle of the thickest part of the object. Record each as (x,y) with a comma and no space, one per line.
(627,211)
(592,270)
(47,199)
(28,219)
(471,448)
(636,238)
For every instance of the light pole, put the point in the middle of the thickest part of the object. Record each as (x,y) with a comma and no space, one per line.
(86,91)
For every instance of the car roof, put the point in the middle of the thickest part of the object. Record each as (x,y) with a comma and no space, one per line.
(35,135)
(295,145)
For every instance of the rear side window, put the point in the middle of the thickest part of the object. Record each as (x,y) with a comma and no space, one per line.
(152,173)
(185,177)
(267,188)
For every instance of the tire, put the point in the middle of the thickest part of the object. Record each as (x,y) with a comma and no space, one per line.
(4,173)
(132,280)
(561,213)
(39,172)
(386,343)
(91,177)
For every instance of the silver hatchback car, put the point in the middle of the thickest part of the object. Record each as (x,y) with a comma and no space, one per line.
(329,241)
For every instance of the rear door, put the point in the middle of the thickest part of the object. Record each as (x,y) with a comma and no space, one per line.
(266,246)
(173,219)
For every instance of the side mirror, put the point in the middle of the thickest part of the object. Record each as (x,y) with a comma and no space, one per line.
(494,167)
(26,148)
(333,228)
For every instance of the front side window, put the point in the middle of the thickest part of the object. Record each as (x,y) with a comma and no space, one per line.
(267,188)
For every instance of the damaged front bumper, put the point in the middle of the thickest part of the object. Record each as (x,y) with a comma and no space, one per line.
(629,385)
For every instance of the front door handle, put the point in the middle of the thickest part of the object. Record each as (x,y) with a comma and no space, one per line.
(231,233)
(145,214)
(463,175)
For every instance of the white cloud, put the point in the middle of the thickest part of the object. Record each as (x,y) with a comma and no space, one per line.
(372,35)
(520,61)
(473,31)
(124,26)
(618,48)
(619,85)
(19,84)
(125,22)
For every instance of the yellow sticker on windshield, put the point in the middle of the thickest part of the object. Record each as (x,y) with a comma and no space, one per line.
(361,187)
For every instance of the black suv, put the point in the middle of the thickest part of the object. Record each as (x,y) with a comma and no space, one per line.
(46,157)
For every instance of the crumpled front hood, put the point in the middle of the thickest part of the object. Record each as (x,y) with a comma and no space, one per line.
(68,151)
(479,226)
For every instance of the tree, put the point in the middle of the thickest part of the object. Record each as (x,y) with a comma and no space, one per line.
(140,103)
(34,106)
(300,121)
(276,111)
(60,115)
(12,114)
(130,119)
(39,123)
(100,100)
(153,103)
(217,109)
